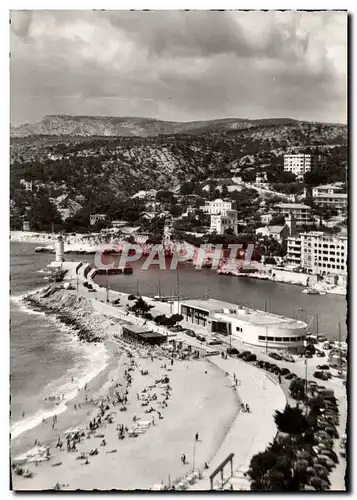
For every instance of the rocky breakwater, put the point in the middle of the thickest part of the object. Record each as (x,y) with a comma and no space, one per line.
(71,310)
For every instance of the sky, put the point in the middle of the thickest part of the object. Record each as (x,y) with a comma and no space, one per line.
(177,65)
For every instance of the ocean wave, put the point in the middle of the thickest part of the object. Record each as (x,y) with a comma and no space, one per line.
(95,358)
(91,360)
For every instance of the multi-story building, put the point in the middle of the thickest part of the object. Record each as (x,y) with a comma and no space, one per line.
(228,220)
(337,201)
(94,218)
(326,189)
(293,254)
(216,207)
(298,164)
(300,212)
(319,253)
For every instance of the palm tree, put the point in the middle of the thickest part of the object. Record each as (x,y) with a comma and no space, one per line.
(291,420)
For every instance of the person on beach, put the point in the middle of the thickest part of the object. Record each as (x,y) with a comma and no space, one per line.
(279,378)
(247,408)
(196,436)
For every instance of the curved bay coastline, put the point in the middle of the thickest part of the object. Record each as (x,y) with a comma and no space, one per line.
(279,298)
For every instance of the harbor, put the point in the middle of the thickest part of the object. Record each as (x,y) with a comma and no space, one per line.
(117,306)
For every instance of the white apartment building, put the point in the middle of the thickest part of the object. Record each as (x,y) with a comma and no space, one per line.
(298,164)
(319,253)
(337,201)
(326,189)
(229,220)
(94,218)
(300,212)
(216,207)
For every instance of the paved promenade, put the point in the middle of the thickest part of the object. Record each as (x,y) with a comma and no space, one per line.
(250,432)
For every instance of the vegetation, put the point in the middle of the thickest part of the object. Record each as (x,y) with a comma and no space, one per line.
(75,176)
(291,420)
(297,389)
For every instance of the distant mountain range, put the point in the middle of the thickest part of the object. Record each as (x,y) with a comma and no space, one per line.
(65,125)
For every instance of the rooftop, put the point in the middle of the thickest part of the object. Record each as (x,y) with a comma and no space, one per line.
(253,316)
(332,195)
(136,329)
(276,229)
(293,205)
(327,186)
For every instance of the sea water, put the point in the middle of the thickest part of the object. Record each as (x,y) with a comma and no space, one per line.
(46,359)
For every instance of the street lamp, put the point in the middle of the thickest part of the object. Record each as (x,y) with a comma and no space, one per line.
(194,454)
(305,346)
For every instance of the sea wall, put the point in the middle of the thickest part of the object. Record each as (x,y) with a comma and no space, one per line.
(290,277)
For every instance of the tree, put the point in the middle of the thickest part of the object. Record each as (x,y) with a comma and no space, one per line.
(278,220)
(291,420)
(175,318)
(225,191)
(141,307)
(297,389)
(165,196)
(316,177)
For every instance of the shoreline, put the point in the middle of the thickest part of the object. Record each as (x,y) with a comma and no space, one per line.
(101,386)
(82,247)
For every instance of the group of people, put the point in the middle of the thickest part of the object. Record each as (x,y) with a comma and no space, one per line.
(245,408)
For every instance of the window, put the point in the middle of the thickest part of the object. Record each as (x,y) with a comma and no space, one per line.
(278,339)
(260,337)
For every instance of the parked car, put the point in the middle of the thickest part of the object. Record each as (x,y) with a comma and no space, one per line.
(214,341)
(321,375)
(323,367)
(250,357)
(243,353)
(232,350)
(176,328)
(320,354)
(321,338)
(190,333)
(308,354)
(290,376)
(288,357)
(276,356)
(284,371)
(312,383)
(91,290)
(201,338)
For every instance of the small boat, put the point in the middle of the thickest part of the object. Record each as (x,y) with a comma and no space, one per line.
(310,291)
(165,298)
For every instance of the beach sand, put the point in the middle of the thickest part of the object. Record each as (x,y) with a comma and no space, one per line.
(198,390)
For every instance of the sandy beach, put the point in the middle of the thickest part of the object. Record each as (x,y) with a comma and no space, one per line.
(167,404)
(198,389)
